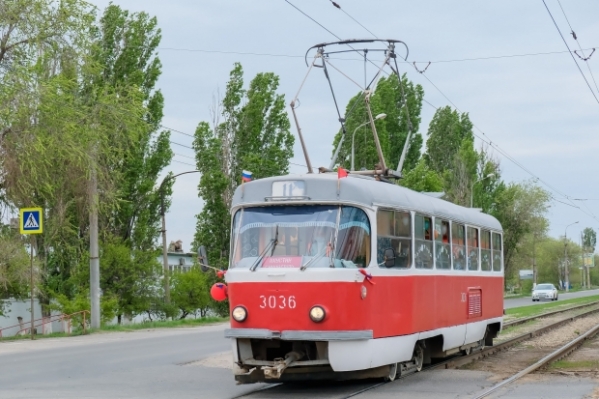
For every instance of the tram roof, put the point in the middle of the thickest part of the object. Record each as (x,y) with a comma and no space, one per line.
(362,190)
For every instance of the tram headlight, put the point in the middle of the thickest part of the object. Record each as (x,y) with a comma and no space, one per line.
(317,314)
(239,313)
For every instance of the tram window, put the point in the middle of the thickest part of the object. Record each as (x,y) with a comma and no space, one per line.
(353,238)
(496,252)
(394,231)
(485,250)
(472,248)
(424,244)
(384,221)
(458,247)
(442,246)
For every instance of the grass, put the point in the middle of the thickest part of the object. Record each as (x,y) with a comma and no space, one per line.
(580,364)
(125,328)
(534,310)
(164,324)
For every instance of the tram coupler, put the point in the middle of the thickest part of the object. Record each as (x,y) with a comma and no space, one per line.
(274,372)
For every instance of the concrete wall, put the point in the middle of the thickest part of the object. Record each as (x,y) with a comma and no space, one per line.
(14,309)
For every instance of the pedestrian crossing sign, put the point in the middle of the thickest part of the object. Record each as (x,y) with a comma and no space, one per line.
(30,221)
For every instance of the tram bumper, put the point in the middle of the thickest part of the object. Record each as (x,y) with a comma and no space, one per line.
(263,355)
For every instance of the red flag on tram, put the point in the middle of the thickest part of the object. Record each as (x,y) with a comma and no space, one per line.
(341,172)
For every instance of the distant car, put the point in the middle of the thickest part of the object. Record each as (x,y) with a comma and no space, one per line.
(544,291)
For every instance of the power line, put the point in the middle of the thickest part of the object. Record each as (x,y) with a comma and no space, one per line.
(355,20)
(579,46)
(570,51)
(488,140)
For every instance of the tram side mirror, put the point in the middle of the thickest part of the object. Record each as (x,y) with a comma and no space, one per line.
(203,259)
(389,257)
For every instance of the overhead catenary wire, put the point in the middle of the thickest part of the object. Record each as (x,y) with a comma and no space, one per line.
(570,51)
(575,37)
(488,141)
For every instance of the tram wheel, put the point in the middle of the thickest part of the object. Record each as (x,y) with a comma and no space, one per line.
(418,357)
(392,372)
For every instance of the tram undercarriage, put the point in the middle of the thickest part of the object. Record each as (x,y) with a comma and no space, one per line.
(263,360)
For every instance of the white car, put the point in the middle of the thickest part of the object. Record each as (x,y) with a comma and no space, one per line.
(544,291)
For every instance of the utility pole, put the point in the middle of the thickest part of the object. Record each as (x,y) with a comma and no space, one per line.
(94,256)
(567,278)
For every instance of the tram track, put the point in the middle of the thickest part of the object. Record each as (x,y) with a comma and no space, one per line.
(462,360)
(558,354)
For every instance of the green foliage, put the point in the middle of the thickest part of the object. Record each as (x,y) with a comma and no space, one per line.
(446,134)
(190,292)
(81,302)
(130,276)
(255,136)
(519,208)
(589,239)
(423,179)
(14,266)
(126,53)
(392,131)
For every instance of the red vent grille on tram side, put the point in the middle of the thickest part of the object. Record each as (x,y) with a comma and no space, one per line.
(475,303)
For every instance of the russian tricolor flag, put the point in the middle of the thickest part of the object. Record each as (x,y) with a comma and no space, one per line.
(246,176)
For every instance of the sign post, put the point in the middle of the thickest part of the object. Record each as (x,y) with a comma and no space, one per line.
(31,222)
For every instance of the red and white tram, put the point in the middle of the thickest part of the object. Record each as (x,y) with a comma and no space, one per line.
(349,278)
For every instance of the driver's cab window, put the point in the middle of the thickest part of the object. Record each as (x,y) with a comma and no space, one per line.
(394,239)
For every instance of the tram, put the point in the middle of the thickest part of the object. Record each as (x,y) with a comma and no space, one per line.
(353,277)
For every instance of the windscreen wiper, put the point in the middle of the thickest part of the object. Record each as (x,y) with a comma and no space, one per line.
(272,244)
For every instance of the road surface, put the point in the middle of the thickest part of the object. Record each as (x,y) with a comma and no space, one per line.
(526,301)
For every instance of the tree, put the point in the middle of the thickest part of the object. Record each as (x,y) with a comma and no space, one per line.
(423,179)
(446,134)
(519,208)
(392,131)
(190,292)
(14,266)
(589,239)
(460,176)
(255,136)
(28,26)
(126,54)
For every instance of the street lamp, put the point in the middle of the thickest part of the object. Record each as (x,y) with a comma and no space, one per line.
(167,287)
(472,188)
(379,116)
(566,255)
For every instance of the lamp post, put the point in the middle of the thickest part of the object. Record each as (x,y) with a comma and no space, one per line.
(567,278)
(379,116)
(472,188)
(167,287)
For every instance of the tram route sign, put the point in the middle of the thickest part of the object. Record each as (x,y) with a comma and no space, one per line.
(31,221)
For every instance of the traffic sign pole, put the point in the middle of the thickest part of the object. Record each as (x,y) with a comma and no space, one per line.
(31,222)
(32,318)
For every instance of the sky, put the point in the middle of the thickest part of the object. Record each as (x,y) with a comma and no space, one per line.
(504,63)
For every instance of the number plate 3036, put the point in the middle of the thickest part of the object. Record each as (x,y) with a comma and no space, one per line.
(277,302)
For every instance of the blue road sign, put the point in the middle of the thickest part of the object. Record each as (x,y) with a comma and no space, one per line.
(31,221)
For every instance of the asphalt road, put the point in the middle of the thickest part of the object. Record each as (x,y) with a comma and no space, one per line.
(141,364)
(526,301)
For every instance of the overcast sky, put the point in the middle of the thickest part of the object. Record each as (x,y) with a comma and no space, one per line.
(537,109)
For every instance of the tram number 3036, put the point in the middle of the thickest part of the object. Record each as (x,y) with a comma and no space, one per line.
(281,302)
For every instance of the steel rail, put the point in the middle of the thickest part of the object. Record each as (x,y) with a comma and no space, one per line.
(463,360)
(553,356)
(527,319)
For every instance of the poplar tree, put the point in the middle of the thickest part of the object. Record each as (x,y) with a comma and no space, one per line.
(254,135)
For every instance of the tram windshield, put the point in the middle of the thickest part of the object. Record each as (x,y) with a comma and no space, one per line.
(301,236)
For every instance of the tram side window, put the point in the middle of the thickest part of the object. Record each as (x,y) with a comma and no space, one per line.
(394,231)
(442,245)
(353,238)
(424,242)
(485,250)
(496,252)
(458,246)
(472,248)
